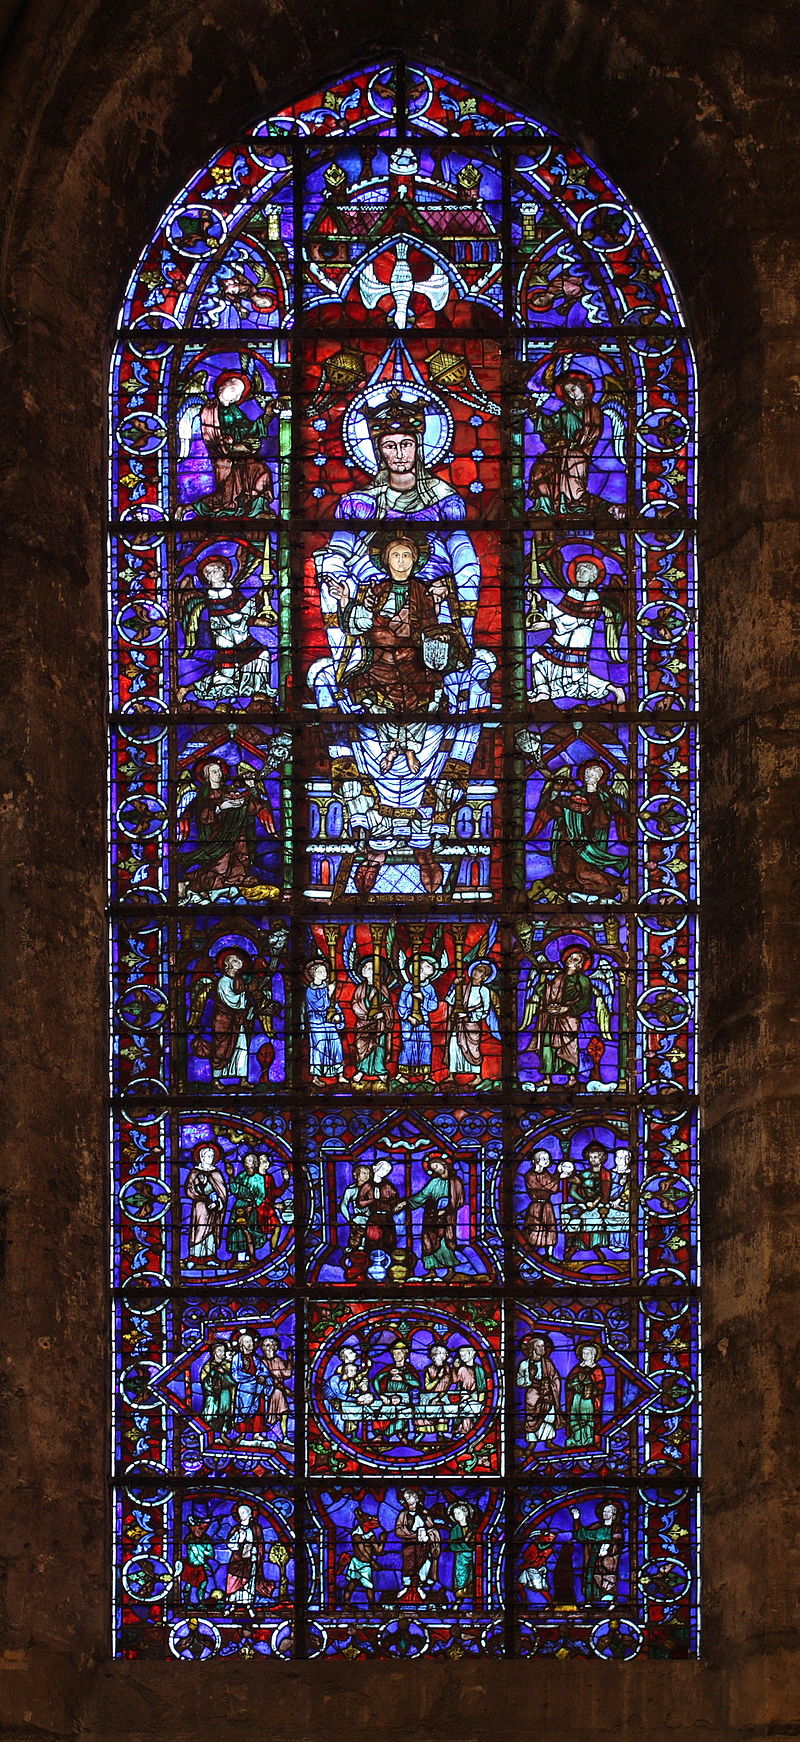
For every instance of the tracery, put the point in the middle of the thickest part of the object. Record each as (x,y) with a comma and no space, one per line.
(403,900)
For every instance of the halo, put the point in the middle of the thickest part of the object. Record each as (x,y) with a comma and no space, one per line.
(577,944)
(436,441)
(597,562)
(483,962)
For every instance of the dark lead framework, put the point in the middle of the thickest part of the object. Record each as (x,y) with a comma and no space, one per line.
(402,832)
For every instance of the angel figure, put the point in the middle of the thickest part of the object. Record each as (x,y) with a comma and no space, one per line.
(558,996)
(324,1018)
(415,1006)
(473,1008)
(561,666)
(233,439)
(372,1010)
(233,999)
(246,293)
(579,813)
(558,482)
(227,803)
(221,612)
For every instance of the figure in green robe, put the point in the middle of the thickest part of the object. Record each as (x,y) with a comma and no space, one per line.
(555,1001)
(585,1389)
(246,1196)
(462,1544)
(602,1552)
(440,1199)
(233,440)
(218,1390)
(581,814)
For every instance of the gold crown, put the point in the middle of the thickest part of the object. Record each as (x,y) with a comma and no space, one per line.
(396,416)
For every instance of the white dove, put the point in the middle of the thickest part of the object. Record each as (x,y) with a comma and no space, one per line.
(402,285)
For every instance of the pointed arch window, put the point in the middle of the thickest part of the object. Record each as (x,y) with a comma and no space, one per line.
(402,831)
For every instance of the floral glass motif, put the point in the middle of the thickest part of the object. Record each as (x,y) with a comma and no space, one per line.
(403,884)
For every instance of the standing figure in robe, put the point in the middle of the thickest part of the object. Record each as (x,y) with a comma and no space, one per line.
(602,1551)
(618,1212)
(268,1218)
(538,1373)
(554,1005)
(417,1531)
(325,1020)
(585,1388)
(372,1010)
(245,1580)
(415,1007)
(247,1191)
(279,1371)
(471,1012)
(462,1546)
(207,1192)
(218,1388)
(440,1199)
(229,1047)
(380,1198)
(249,1372)
(558,482)
(539,1226)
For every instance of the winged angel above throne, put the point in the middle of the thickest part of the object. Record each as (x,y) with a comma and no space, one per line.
(398,601)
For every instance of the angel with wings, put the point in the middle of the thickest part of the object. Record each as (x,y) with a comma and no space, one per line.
(558,997)
(232,436)
(415,1006)
(561,666)
(372,1008)
(227,807)
(559,478)
(215,604)
(230,1001)
(473,1010)
(578,809)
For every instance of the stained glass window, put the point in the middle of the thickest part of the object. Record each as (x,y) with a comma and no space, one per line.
(402,833)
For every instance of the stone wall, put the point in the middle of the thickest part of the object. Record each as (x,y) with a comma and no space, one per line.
(106,110)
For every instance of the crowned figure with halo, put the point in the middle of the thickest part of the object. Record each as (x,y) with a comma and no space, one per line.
(399,582)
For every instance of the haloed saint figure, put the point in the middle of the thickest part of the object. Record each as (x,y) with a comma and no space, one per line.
(399,604)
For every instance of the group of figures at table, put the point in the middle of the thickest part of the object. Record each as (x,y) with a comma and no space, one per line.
(398,1402)
(586,1207)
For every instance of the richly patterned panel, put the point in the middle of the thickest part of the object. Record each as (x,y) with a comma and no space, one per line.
(402,827)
